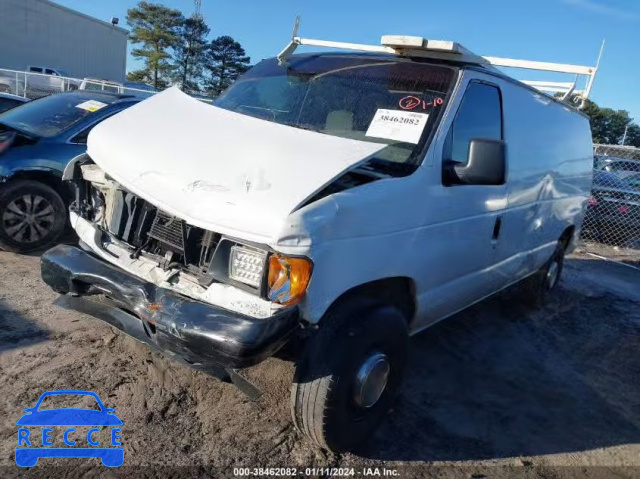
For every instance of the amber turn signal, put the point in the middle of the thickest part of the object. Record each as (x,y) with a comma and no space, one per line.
(288,278)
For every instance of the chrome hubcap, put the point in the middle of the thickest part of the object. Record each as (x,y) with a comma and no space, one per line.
(371,380)
(28,218)
(552,275)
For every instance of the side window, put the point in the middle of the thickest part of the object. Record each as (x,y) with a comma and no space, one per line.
(479,116)
(35,69)
(48,71)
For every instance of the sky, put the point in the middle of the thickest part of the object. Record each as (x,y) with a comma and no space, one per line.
(563,31)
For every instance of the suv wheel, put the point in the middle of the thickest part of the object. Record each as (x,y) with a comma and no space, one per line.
(32,216)
(348,375)
(537,287)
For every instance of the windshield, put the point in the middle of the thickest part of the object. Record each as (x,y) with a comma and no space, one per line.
(391,101)
(52,115)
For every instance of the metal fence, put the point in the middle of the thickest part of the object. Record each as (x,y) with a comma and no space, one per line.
(613,214)
(37,85)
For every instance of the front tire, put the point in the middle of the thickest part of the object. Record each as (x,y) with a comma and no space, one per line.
(348,375)
(32,216)
(538,286)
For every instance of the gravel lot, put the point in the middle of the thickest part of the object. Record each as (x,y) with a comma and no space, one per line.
(498,390)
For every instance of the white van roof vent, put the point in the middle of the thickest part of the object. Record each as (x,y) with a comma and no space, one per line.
(413,46)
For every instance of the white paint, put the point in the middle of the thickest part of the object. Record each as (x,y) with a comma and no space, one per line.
(439,237)
(91,105)
(217,169)
(405,126)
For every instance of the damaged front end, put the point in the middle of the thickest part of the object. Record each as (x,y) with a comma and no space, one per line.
(198,296)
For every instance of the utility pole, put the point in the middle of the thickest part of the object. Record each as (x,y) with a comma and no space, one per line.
(624,137)
(198,5)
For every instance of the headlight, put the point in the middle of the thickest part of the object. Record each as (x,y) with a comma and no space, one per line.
(247,265)
(288,278)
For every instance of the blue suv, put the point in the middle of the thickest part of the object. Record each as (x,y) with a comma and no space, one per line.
(37,141)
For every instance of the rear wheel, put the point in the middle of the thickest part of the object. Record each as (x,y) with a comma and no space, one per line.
(348,375)
(32,216)
(536,288)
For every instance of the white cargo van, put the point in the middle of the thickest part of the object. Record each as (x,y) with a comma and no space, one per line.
(327,207)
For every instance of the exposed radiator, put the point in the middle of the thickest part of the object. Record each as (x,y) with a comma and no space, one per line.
(169,230)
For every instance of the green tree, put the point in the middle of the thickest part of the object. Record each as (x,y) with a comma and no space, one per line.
(633,136)
(155,27)
(608,125)
(226,60)
(190,53)
(140,76)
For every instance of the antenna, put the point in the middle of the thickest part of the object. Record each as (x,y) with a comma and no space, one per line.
(198,5)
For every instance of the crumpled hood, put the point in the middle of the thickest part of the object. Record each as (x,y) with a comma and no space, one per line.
(216,169)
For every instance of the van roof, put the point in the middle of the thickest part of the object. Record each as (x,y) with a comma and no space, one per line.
(451,62)
(419,47)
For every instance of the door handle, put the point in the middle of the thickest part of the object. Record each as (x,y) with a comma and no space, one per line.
(496,229)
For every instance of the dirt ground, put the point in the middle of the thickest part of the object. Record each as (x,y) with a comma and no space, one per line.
(497,391)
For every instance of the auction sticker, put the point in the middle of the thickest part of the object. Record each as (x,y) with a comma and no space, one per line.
(91,105)
(405,126)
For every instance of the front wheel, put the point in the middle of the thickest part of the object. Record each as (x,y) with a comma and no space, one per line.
(32,216)
(348,375)
(536,288)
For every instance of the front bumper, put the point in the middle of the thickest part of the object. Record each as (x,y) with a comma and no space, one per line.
(187,330)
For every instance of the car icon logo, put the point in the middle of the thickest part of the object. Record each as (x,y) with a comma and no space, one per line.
(36,436)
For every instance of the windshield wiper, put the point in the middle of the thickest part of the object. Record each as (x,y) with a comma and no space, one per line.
(390,167)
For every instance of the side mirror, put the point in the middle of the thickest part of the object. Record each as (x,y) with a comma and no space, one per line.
(486,164)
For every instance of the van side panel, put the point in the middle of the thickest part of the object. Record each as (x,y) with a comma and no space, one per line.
(550,165)
(442,238)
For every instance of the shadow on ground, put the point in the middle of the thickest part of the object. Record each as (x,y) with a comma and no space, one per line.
(499,380)
(17,331)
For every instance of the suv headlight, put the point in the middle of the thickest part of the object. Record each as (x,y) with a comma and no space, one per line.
(288,278)
(247,265)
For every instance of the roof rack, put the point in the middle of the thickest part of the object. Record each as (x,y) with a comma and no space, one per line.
(411,46)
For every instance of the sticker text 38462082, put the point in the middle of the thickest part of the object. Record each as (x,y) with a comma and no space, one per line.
(397,125)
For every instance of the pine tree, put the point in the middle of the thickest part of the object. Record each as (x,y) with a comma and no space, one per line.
(226,61)
(190,53)
(156,28)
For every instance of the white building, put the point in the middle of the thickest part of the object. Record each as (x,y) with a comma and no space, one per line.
(43,33)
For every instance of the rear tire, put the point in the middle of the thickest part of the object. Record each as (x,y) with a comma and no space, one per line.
(348,375)
(537,287)
(32,216)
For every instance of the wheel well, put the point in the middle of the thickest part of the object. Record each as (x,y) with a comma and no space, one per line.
(397,291)
(567,236)
(49,179)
